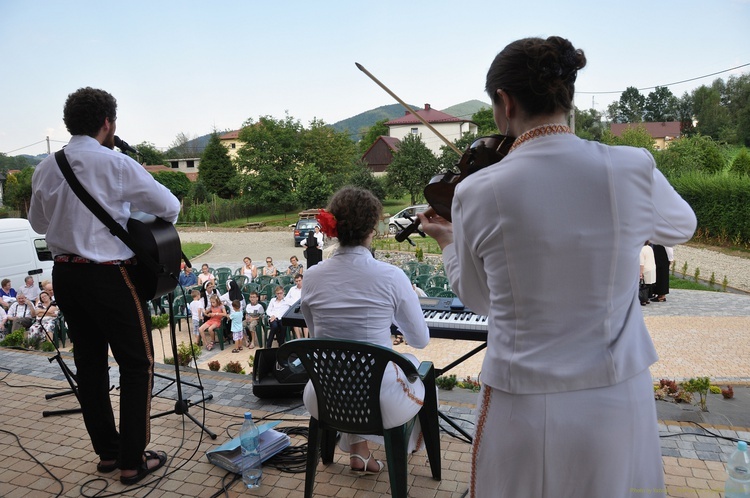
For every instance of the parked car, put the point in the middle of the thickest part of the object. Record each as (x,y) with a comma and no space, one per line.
(301,229)
(401,219)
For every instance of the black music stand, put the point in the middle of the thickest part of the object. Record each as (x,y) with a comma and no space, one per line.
(181,406)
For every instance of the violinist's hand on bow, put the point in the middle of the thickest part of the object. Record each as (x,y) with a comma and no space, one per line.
(437,227)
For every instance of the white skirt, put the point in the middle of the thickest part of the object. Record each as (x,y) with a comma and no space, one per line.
(593,443)
(400,401)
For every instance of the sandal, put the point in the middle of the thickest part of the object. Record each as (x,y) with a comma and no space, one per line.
(398,340)
(210,346)
(235,351)
(106,468)
(144,469)
(363,471)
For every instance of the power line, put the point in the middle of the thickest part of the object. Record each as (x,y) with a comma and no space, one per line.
(675,83)
(24,147)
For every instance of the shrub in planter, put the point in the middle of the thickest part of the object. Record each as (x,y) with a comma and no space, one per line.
(728,393)
(186,353)
(234,367)
(446,382)
(214,366)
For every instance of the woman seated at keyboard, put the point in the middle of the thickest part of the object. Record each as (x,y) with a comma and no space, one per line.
(353,296)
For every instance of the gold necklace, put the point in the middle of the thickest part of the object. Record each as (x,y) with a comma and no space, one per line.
(540,131)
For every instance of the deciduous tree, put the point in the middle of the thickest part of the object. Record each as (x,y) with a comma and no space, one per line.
(176,181)
(216,169)
(270,156)
(485,122)
(371,134)
(661,105)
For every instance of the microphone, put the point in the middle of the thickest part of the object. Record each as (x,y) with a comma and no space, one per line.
(123,146)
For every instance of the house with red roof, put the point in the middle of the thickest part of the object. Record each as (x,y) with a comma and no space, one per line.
(662,133)
(448,126)
(380,154)
(231,141)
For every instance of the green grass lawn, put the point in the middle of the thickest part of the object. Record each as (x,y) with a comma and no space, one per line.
(193,249)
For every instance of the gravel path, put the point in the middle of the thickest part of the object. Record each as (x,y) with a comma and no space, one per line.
(737,270)
(230,246)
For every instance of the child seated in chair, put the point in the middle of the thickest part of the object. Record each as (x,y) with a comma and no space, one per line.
(214,315)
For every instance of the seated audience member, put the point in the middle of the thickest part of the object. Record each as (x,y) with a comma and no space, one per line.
(270,270)
(253,314)
(3,321)
(205,275)
(21,313)
(47,287)
(215,314)
(292,296)
(30,289)
(233,293)
(188,278)
(295,268)
(208,290)
(45,313)
(248,268)
(276,309)
(7,294)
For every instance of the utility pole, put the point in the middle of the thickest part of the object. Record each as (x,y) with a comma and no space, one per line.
(48,149)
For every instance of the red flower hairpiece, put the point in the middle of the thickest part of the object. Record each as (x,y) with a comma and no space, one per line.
(327,223)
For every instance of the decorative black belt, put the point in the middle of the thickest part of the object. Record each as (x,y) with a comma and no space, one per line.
(73,258)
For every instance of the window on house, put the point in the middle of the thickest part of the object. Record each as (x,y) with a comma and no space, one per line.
(190,164)
(174,164)
(414,131)
(233,145)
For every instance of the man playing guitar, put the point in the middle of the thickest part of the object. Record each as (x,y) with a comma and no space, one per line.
(109,313)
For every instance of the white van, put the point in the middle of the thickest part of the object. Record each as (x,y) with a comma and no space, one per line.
(23,252)
(401,219)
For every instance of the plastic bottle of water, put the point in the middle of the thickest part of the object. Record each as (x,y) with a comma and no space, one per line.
(250,442)
(738,468)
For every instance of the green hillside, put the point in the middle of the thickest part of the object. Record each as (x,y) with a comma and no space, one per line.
(467,109)
(358,124)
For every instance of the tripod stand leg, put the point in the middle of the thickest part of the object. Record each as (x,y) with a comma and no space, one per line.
(182,405)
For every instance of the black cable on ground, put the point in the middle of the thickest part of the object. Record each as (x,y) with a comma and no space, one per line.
(20,445)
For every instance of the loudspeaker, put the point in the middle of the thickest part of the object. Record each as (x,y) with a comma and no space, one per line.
(273,380)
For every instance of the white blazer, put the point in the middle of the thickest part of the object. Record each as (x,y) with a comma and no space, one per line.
(547,243)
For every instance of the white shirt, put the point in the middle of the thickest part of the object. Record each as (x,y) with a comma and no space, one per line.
(117,182)
(277,308)
(22,310)
(31,293)
(354,296)
(648,263)
(293,295)
(254,309)
(196,309)
(546,244)
(319,237)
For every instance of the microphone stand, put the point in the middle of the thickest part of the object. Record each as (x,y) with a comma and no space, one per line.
(69,376)
(182,405)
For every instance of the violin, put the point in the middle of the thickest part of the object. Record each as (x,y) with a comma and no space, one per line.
(483,152)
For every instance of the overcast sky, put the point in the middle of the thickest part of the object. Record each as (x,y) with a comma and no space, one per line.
(193,66)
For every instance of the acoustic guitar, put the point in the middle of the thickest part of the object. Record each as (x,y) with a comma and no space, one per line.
(159,239)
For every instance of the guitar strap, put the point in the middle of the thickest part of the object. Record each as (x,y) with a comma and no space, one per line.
(114,228)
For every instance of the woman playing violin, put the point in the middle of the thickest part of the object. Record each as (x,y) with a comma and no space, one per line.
(546,243)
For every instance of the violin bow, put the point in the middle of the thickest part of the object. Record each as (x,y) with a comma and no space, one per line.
(408,108)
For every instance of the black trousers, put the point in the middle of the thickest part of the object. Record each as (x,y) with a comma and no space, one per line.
(107,313)
(277,331)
